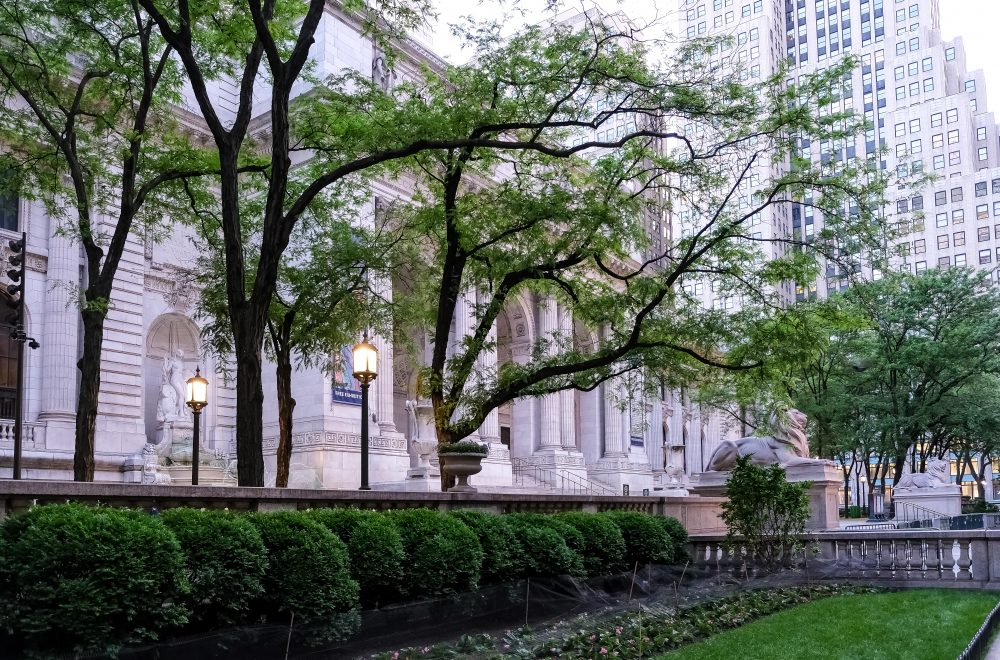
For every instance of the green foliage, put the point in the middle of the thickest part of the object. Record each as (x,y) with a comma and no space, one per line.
(646,541)
(375,549)
(763,511)
(503,555)
(225,561)
(443,556)
(307,574)
(980,506)
(463,447)
(603,550)
(553,560)
(545,552)
(80,580)
(678,536)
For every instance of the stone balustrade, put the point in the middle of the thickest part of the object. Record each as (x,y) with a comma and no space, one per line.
(904,557)
(27,434)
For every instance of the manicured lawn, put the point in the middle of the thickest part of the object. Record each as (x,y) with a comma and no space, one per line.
(918,624)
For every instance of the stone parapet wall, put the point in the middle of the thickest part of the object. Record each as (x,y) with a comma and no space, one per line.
(696,513)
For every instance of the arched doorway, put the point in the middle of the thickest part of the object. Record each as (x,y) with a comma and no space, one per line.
(167,335)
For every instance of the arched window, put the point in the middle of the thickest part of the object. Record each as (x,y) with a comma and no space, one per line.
(8,365)
(8,209)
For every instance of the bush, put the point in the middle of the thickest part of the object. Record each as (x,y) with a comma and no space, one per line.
(678,536)
(502,553)
(764,510)
(79,580)
(545,552)
(307,573)
(375,549)
(225,561)
(464,447)
(646,542)
(443,556)
(979,506)
(604,546)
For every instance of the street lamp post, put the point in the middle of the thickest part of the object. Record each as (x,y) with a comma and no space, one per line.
(365,370)
(197,398)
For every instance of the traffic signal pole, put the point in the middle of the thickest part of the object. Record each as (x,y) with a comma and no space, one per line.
(15,300)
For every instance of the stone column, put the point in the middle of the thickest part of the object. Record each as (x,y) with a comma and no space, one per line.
(654,435)
(614,436)
(567,398)
(549,420)
(487,366)
(382,388)
(465,325)
(59,340)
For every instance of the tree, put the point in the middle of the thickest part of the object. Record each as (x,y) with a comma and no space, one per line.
(507,222)
(764,512)
(87,117)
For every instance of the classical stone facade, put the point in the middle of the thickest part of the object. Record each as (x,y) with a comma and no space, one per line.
(151,336)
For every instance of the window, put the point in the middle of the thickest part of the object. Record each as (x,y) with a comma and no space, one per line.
(927,64)
(970,85)
(900,93)
(913,69)
(914,44)
(995,186)
(928,84)
(920,266)
(914,88)
(958,216)
(996,232)
(982,212)
(983,234)
(996,209)
(902,206)
(919,246)
(985,256)
(944,262)
(981,133)
(942,241)
(914,11)
(960,259)
(953,137)
(915,147)
(901,48)
(917,203)
(955,158)
(937,140)
(941,220)
(900,129)
(898,73)
(8,212)
(958,239)
(952,115)
(914,125)
(936,120)
(901,150)
(949,53)
(940,198)
(939,162)
(980,189)
(957,194)
(982,154)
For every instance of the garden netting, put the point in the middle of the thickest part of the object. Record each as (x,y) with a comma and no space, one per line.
(489,609)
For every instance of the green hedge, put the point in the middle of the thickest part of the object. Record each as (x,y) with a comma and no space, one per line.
(82,580)
(443,556)
(225,560)
(502,552)
(107,578)
(375,549)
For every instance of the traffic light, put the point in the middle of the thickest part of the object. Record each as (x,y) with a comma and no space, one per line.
(15,289)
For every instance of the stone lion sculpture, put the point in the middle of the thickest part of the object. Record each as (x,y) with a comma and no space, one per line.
(938,474)
(787,446)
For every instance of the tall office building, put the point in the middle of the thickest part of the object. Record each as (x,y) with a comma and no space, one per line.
(925,109)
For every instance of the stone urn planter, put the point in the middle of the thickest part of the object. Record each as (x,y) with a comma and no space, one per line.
(462,460)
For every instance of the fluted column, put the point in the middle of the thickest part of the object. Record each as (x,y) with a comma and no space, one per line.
(654,434)
(614,435)
(60,334)
(487,367)
(465,324)
(382,389)
(567,398)
(548,326)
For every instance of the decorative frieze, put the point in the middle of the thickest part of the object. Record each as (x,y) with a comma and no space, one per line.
(322,439)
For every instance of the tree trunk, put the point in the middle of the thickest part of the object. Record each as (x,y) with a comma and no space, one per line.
(90,387)
(249,400)
(286,406)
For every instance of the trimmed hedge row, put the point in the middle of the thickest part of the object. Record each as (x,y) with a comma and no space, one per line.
(108,578)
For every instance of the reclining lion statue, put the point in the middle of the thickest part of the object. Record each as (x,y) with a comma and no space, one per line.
(787,446)
(938,474)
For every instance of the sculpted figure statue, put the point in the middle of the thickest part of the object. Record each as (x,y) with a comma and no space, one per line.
(938,474)
(788,446)
(411,416)
(173,382)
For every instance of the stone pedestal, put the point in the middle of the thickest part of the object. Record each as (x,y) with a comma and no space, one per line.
(927,503)
(824,503)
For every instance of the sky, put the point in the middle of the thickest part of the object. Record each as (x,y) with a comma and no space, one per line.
(975,21)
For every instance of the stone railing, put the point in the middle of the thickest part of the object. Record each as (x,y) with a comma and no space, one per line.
(27,434)
(697,514)
(926,556)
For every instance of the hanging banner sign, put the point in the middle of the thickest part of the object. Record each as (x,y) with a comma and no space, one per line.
(346,388)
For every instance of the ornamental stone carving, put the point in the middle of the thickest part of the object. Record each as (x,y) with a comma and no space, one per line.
(788,446)
(937,475)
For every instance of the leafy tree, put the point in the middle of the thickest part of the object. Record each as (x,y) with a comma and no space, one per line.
(764,512)
(87,120)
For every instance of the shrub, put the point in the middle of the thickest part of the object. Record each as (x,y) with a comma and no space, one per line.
(307,573)
(678,536)
(464,447)
(225,561)
(78,580)
(443,556)
(569,534)
(764,510)
(604,547)
(502,553)
(375,549)
(646,542)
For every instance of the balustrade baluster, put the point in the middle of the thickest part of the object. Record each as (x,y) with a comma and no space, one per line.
(964,560)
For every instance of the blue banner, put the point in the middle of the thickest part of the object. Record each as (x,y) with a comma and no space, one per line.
(346,388)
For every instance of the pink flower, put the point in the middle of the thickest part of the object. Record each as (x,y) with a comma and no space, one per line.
(604,651)
(618,630)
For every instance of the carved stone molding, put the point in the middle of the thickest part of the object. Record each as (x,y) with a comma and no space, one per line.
(334,439)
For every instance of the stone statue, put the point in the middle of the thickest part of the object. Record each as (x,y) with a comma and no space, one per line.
(150,466)
(170,405)
(411,417)
(938,474)
(788,446)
